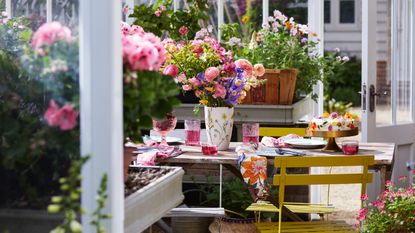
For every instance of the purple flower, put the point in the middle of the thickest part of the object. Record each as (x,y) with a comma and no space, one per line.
(239,70)
(304,40)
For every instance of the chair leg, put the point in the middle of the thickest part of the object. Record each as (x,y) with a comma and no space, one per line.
(279,220)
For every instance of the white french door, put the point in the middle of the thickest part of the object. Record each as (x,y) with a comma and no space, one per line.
(388,77)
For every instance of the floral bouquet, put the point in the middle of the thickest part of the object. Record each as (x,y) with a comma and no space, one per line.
(147,93)
(205,67)
(393,211)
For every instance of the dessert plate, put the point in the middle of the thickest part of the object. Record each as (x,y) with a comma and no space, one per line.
(304,143)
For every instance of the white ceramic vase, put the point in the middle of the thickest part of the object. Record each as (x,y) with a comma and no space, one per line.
(219,123)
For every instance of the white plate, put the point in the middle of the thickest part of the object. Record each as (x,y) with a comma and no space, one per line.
(168,139)
(305,143)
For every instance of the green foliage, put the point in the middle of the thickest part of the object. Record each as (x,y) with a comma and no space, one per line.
(102,197)
(149,95)
(332,105)
(393,211)
(344,83)
(170,21)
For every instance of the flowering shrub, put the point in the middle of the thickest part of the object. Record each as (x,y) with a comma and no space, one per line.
(204,66)
(393,211)
(147,93)
(161,20)
(281,44)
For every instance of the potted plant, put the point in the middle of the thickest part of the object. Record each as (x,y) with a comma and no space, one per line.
(392,211)
(205,67)
(287,49)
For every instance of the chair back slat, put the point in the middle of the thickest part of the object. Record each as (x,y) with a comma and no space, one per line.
(306,179)
(326,161)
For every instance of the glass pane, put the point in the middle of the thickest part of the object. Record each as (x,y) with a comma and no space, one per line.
(347,11)
(402,63)
(296,9)
(213,16)
(383,65)
(327,11)
(39,106)
(246,13)
(66,12)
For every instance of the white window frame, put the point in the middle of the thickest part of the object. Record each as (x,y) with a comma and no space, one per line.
(335,24)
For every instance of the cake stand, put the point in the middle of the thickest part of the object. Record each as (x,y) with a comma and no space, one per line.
(331,137)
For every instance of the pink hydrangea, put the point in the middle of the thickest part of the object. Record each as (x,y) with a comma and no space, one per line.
(141,50)
(65,117)
(50,33)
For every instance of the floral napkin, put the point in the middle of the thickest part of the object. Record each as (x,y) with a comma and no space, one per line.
(148,154)
(252,167)
(278,142)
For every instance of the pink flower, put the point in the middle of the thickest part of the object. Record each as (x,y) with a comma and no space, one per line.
(50,33)
(68,116)
(363,197)
(171,70)
(125,9)
(181,77)
(403,177)
(163,8)
(259,70)
(220,91)
(183,30)
(211,73)
(194,82)
(51,114)
(143,57)
(65,118)
(135,29)
(198,93)
(245,65)
(361,215)
(186,87)
(157,13)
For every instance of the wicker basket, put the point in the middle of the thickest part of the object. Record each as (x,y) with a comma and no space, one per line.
(279,88)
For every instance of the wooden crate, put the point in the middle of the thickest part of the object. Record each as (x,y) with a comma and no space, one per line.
(279,89)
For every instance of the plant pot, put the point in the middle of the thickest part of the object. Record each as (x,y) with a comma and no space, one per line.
(219,124)
(28,221)
(279,88)
(128,158)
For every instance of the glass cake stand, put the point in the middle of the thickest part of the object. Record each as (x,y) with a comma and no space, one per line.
(331,137)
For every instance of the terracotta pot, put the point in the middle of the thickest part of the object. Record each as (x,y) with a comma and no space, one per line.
(288,81)
(129,156)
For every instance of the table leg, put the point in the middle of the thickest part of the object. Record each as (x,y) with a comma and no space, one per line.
(274,201)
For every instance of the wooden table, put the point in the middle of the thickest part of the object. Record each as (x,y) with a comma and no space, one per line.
(383,152)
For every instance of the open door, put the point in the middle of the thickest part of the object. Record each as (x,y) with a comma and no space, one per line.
(388,78)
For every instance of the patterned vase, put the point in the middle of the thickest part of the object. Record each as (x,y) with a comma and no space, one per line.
(219,123)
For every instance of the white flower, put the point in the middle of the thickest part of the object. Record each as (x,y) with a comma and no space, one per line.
(338,58)
(303,28)
(337,50)
(345,59)
(293,31)
(4,14)
(271,19)
(275,26)
(265,26)
(210,28)
(234,41)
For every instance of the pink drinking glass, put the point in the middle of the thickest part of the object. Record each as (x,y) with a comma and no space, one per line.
(350,147)
(209,149)
(164,126)
(250,134)
(192,132)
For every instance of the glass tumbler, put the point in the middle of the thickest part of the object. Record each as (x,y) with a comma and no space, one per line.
(250,133)
(192,132)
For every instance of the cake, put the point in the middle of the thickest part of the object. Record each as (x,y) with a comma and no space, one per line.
(333,122)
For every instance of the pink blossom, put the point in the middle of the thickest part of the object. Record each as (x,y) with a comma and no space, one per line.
(198,93)
(50,33)
(211,73)
(361,215)
(181,77)
(143,57)
(171,70)
(186,87)
(183,30)
(51,114)
(157,13)
(245,65)
(125,9)
(194,82)
(163,8)
(220,91)
(65,118)
(259,70)
(135,29)
(363,197)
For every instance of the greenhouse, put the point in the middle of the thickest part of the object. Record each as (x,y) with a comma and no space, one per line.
(207,116)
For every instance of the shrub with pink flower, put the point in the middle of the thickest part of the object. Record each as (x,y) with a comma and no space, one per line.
(50,33)
(65,117)
(392,211)
(209,70)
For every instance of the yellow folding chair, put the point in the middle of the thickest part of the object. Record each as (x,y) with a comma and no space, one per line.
(281,131)
(283,179)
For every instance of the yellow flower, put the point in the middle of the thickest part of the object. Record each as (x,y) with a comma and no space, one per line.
(326,115)
(314,34)
(204,102)
(245,19)
(209,89)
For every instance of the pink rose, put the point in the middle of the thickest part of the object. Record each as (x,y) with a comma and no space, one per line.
(186,87)
(183,30)
(171,70)
(51,114)
(211,73)
(220,91)
(68,116)
(259,70)
(245,65)
(143,57)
